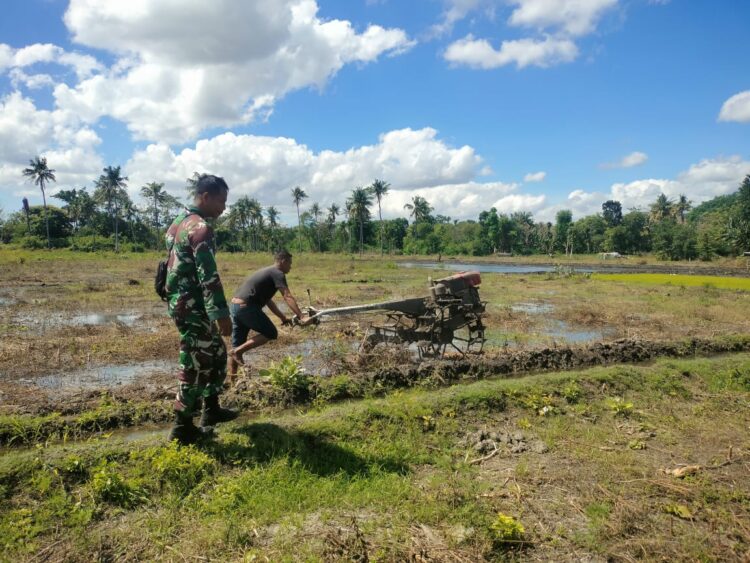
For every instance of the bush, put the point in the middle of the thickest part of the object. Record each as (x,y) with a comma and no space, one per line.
(134,247)
(288,374)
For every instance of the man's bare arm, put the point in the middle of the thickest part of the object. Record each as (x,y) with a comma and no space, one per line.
(291,301)
(276,311)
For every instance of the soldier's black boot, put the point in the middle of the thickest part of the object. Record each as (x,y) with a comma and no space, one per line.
(185,432)
(213,414)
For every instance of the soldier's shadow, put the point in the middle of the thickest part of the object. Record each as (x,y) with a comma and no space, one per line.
(269,442)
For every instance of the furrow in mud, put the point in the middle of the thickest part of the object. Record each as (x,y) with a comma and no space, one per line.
(255,394)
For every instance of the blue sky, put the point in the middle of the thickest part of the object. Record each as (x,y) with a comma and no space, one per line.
(532,105)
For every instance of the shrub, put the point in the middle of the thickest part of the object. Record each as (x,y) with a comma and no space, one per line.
(288,374)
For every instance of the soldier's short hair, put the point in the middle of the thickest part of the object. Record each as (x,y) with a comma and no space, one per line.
(281,255)
(208,183)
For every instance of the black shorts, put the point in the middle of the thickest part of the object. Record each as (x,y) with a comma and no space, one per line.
(250,317)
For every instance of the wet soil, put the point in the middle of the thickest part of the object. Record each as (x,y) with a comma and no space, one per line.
(254,394)
(619,266)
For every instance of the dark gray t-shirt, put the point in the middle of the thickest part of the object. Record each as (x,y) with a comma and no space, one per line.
(261,286)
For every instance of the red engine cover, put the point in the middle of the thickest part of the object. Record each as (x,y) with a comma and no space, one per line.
(471,279)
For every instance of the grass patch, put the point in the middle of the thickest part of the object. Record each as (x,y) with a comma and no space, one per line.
(393,477)
(679,280)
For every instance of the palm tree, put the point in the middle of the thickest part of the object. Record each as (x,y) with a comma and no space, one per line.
(298,195)
(661,208)
(255,211)
(333,212)
(41,175)
(420,209)
(273,215)
(379,188)
(238,217)
(26,210)
(315,212)
(109,188)
(155,192)
(348,215)
(358,205)
(682,206)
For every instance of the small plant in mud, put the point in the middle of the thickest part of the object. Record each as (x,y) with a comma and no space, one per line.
(542,404)
(619,406)
(288,374)
(506,530)
(572,392)
(109,486)
(523,423)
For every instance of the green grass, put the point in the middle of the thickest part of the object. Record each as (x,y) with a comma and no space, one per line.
(680,280)
(389,475)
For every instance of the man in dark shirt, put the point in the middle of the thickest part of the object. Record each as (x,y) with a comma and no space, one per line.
(256,292)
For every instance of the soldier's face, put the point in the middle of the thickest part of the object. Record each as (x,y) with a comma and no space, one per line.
(213,205)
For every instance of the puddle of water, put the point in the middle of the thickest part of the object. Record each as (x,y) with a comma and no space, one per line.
(40,324)
(560,330)
(494,268)
(102,376)
(532,308)
(90,319)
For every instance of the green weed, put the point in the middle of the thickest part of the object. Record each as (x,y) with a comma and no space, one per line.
(179,468)
(109,486)
(287,375)
(619,406)
(506,529)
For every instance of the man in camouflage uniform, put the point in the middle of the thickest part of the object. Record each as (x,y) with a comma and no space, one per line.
(197,304)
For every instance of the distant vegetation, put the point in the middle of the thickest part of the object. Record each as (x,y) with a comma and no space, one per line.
(107,219)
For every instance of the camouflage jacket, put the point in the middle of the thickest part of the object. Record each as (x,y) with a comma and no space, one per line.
(192,279)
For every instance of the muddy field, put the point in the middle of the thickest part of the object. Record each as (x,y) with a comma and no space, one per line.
(75,327)
(534,450)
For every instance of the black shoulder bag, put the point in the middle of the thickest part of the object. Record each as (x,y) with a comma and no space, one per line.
(160,279)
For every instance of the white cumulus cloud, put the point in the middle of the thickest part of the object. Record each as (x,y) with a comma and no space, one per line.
(700,182)
(16,59)
(186,66)
(478,53)
(25,131)
(736,108)
(556,24)
(268,167)
(629,161)
(574,17)
(535,177)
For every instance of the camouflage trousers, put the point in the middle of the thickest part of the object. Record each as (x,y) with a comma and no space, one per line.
(203,361)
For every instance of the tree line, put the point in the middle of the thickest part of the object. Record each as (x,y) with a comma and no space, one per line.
(107,219)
